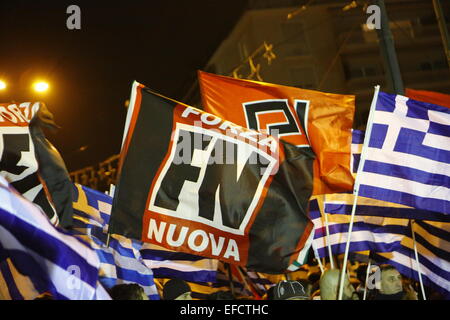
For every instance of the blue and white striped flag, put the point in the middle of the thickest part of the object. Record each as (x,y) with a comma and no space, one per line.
(433,247)
(173,264)
(121,261)
(36,257)
(406,154)
(92,212)
(374,233)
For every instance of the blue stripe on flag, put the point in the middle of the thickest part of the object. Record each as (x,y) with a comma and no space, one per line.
(377,211)
(338,248)
(190,276)
(432,230)
(47,246)
(436,251)
(356,161)
(359,226)
(358,136)
(378,136)
(411,142)
(7,276)
(420,105)
(408,173)
(406,199)
(159,255)
(385,102)
(439,129)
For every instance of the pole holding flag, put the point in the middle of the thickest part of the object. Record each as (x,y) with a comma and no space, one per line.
(417,260)
(367,279)
(356,188)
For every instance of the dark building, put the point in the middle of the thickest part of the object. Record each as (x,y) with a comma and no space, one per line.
(327,46)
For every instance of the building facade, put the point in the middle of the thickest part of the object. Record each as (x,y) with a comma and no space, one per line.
(327,46)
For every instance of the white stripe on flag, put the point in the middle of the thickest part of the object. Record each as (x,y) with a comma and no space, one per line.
(60,276)
(404,185)
(436,141)
(409,160)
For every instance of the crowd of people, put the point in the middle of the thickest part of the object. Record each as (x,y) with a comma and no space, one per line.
(388,285)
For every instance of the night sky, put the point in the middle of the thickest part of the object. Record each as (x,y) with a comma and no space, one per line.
(161,44)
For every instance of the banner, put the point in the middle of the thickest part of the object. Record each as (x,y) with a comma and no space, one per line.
(304,118)
(406,154)
(192,182)
(31,163)
(378,232)
(433,247)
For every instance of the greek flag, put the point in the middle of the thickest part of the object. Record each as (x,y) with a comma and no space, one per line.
(121,261)
(36,257)
(91,218)
(433,247)
(406,154)
(374,233)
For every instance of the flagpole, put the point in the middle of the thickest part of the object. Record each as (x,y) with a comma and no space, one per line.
(347,247)
(417,260)
(367,279)
(316,255)
(356,187)
(327,231)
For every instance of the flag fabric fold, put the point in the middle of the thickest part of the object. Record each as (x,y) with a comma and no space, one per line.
(31,163)
(192,182)
(373,233)
(304,118)
(145,263)
(433,247)
(406,155)
(37,257)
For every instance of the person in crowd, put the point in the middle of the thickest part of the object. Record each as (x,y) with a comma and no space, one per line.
(314,279)
(329,286)
(391,286)
(176,289)
(290,290)
(128,291)
(361,275)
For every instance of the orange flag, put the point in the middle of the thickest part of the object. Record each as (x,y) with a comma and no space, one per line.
(305,118)
(429,96)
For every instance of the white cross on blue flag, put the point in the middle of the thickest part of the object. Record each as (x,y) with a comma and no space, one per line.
(406,154)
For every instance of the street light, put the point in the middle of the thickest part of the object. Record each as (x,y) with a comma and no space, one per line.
(40,86)
(2,85)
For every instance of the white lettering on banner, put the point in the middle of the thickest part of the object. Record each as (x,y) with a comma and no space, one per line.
(196,240)
(18,114)
(183,189)
(6,115)
(269,141)
(15,110)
